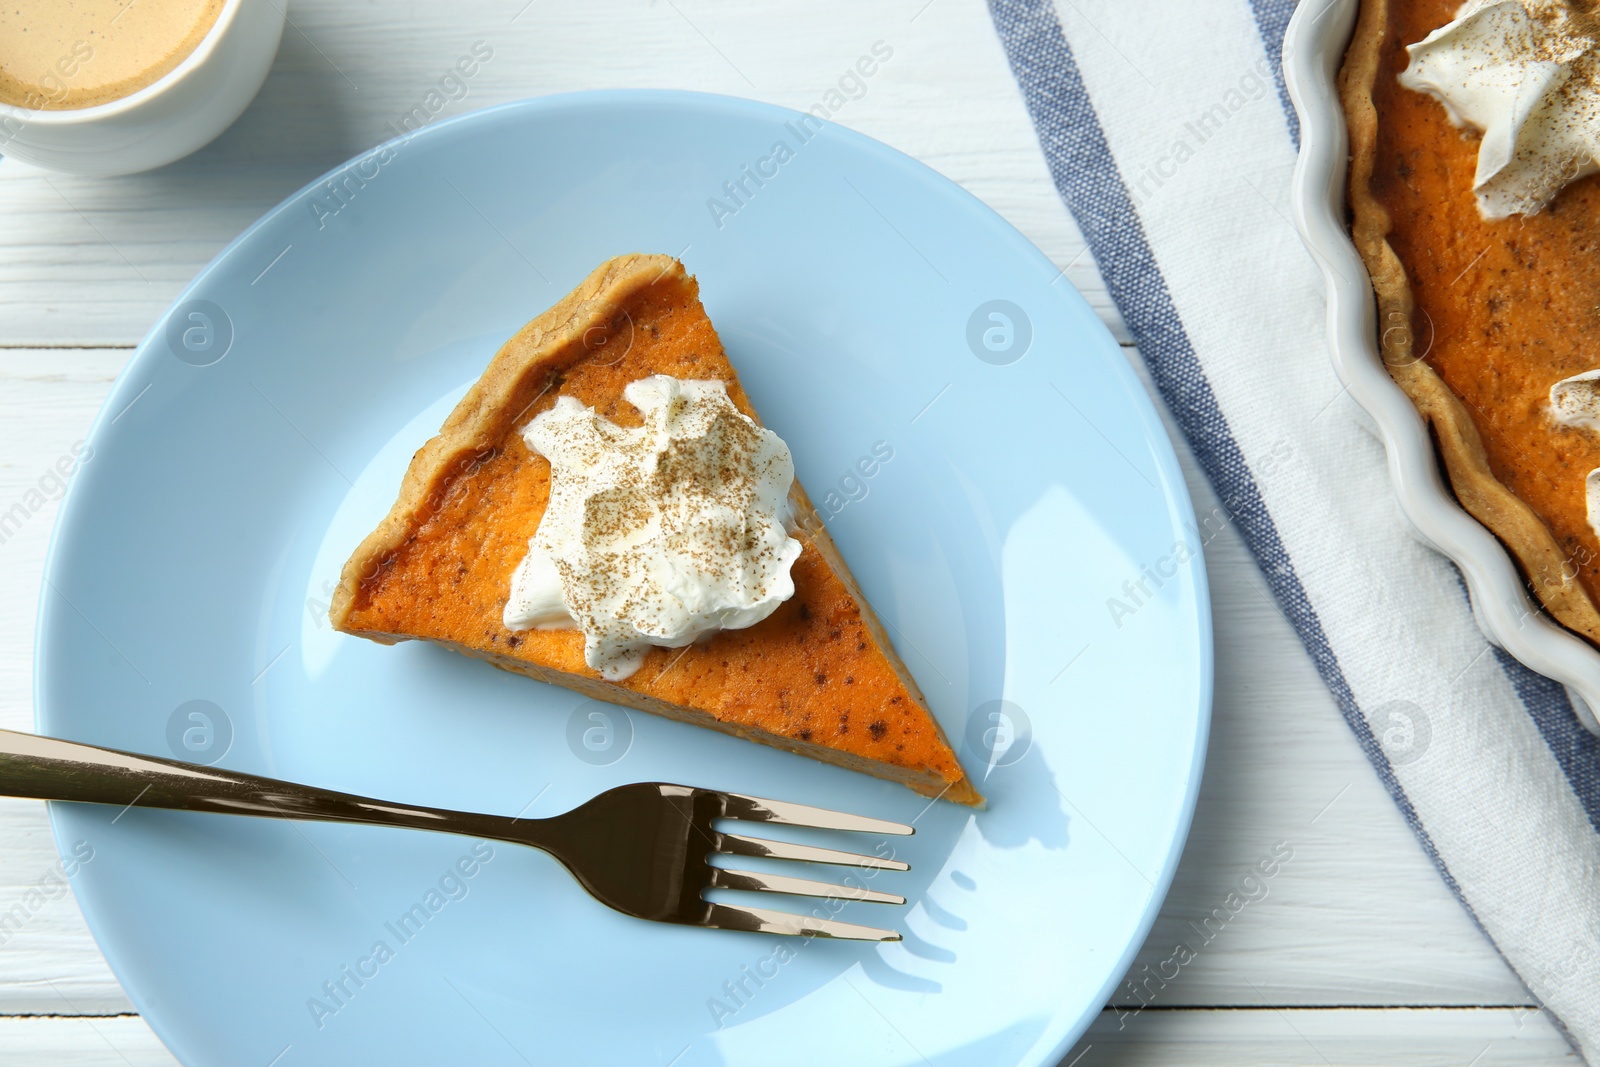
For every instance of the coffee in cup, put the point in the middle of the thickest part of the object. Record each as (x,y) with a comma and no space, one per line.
(57,55)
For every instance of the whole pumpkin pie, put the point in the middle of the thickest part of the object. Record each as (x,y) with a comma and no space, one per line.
(484,517)
(1472,136)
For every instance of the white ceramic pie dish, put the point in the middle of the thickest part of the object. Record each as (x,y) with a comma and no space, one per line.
(1510,618)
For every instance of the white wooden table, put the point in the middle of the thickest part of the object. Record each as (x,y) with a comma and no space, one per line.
(1358,955)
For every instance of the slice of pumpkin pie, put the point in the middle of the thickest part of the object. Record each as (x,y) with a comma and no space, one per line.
(603,511)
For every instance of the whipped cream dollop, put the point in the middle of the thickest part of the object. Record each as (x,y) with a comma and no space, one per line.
(660,534)
(1526,74)
(1591,489)
(1575,402)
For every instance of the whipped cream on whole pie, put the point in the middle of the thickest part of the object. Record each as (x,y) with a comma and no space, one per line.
(1526,73)
(1575,402)
(660,534)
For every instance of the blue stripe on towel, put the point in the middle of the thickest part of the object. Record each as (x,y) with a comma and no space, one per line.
(1575,748)
(1272,20)
(1086,176)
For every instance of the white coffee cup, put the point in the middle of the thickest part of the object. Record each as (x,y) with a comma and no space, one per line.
(174,115)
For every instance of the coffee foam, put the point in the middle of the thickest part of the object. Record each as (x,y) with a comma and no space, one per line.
(58,55)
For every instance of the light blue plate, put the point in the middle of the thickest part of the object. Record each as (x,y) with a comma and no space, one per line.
(991,469)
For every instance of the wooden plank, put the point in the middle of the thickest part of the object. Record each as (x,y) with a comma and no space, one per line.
(96,261)
(50,964)
(1291,1037)
(82,1042)
(1395,1037)
(47,400)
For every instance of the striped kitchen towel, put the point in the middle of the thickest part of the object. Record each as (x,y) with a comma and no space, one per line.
(1170,137)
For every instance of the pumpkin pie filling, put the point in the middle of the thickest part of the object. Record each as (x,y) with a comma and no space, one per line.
(817,677)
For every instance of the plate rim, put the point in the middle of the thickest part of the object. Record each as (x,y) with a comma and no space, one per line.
(690,102)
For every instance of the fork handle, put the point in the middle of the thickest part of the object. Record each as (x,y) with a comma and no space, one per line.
(48,768)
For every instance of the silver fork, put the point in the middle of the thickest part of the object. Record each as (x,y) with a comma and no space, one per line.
(643,849)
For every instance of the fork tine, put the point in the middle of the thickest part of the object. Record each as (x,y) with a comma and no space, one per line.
(767,921)
(726,878)
(760,809)
(740,845)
